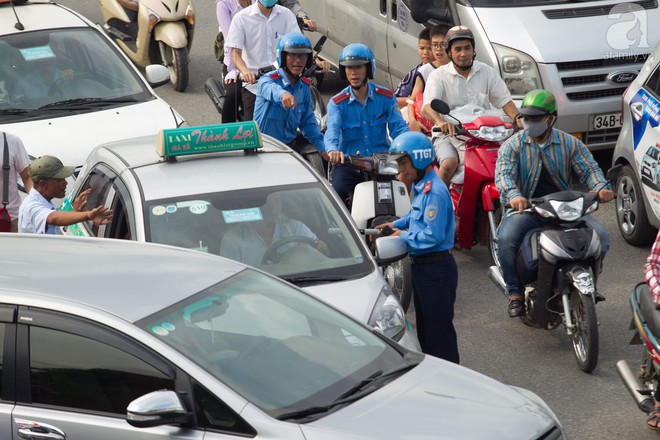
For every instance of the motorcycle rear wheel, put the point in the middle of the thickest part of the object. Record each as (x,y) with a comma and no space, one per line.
(399,277)
(492,235)
(176,60)
(585,334)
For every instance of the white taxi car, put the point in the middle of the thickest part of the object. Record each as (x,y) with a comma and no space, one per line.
(261,204)
(117,340)
(65,87)
(638,149)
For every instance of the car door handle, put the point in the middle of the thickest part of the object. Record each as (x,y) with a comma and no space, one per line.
(30,430)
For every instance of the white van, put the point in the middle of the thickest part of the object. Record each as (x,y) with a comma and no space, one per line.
(585,52)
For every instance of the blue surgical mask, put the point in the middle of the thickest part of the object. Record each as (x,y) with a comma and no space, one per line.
(268,3)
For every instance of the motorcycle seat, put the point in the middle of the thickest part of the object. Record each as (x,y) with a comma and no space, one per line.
(650,314)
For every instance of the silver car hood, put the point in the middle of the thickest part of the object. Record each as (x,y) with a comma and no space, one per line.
(438,400)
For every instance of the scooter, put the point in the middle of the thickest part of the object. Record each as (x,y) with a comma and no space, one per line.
(161,32)
(474,195)
(217,92)
(646,323)
(380,199)
(559,264)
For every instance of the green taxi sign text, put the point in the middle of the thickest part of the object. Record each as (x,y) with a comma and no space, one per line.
(208,139)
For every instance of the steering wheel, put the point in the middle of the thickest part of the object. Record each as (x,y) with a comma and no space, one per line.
(56,87)
(271,253)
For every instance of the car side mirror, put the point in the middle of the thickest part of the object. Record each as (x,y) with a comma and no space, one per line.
(157,408)
(157,75)
(390,249)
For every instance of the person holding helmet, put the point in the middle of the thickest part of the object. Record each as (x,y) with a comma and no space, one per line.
(461,82)
(359,117)
(537,161)
(428,230)
(284,100)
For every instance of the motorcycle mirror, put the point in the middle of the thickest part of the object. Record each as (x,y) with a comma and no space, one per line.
(440,106)
(319,44)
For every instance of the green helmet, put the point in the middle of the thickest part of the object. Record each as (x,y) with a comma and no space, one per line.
(539,102)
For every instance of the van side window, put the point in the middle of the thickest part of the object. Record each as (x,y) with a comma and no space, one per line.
(653,83)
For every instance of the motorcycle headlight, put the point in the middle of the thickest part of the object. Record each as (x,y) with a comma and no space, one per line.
(387,316)
(519,71)
(568,211)
(492,134)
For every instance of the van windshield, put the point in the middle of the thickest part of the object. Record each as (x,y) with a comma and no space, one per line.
(519,3)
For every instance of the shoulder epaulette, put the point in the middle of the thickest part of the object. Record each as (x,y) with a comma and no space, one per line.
(341,97)
(427,187)
(306,80)
(275,75)
(384,92)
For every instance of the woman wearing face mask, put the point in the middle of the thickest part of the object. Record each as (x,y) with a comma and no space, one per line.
(535,162)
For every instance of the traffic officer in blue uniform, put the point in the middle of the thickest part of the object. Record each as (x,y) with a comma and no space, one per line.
(359,117)
(284,100)
(428,230)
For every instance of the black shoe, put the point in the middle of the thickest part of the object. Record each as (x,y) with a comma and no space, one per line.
(516,308)
(599,298)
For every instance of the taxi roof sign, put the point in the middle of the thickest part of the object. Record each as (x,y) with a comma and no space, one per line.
(208,139)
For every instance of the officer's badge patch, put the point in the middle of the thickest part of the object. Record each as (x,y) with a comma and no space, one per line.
(431,212)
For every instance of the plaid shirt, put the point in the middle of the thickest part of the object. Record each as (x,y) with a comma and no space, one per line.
(652,270)
(519,164)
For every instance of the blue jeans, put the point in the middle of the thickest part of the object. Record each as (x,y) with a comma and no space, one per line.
(344,180)
(510,235)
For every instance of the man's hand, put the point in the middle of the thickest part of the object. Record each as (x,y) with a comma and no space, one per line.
(390,225)
(325,156)
(249,77)
(288,101)
(323,65)
(80,203)
(447,128)
(335,157)
(322,247)
(100,215)
(519,203)
(311,24)
(606,195)
(415,125)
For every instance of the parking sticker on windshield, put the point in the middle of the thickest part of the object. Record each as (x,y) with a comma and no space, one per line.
(160,331)
(242,215)
(199,208)
(171,209)
(167,326)
(158,210)
(37,53)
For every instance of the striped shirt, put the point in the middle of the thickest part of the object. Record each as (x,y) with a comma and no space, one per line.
(519,164)
(652,270)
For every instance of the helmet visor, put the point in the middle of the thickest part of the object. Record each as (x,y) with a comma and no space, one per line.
(297,49)
(533,111)
(353,61)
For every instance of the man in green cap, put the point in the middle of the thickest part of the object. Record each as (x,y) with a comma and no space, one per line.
(37,215)
(535,162)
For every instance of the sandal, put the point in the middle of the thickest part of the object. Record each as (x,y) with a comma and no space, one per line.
(653,420)
(516,306)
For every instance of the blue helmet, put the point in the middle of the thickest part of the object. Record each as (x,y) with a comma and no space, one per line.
(293,42)
(416,145)
(354,55)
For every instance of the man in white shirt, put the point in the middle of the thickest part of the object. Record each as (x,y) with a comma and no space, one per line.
(462,81)
(18,163)
(253,36)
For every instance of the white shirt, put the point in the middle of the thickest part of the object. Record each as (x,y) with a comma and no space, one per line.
(33,215)
(483,87)
(18,161)
(257,35)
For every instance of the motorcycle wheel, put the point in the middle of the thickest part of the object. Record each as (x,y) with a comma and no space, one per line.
(492,236)
(176,60)
(585,335)
(399,277)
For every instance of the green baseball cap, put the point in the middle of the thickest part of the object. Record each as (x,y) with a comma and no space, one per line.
(49,167)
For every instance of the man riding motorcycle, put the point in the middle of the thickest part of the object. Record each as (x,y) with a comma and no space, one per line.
(535,162)
(461,82)
(359,117)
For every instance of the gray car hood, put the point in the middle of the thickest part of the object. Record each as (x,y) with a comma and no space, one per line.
(438,400)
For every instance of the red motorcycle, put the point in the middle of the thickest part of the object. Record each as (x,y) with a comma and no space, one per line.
(473,192)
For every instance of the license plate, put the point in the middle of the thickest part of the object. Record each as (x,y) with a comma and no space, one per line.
(607,120)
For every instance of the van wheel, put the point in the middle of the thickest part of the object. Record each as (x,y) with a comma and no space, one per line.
(630,210)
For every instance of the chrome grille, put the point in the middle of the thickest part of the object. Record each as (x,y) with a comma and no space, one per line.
(593,11)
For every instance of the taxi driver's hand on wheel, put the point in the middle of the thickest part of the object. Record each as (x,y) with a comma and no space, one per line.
(519,203)
(288,101)
(336,157)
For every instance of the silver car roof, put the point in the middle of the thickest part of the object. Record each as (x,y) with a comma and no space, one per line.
(273,165)
(128,279)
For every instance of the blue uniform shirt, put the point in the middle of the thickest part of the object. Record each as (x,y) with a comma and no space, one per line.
(353,127)
(274,120)
(430,222)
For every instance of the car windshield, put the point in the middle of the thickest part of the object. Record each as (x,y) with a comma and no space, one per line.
(49,70)
(281,349)
(294,232)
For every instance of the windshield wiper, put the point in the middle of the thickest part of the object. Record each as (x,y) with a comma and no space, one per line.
(67,103)
(315,279)
(15,111)
(356,392)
